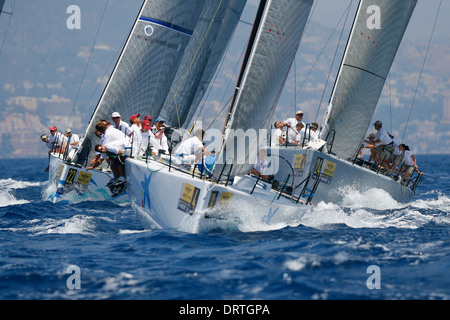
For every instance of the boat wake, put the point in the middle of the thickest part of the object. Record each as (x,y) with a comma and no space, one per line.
(372,209)
(257,217)
(377,209)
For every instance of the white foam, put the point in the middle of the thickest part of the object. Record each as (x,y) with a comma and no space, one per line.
(356,212)
(374,198)
(441,203)
(132,231)
(302,262)
(374,208)
(7,199)
(250,216)
(6,185)
(13,184)
(78,224)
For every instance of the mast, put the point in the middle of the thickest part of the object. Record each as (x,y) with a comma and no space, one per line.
(274,41)
(376,35)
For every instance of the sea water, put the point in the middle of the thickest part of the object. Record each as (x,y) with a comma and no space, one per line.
(367,247)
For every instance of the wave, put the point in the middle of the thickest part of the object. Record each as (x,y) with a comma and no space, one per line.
(251,216)
(7,198)
(438,201)
(377,209)
(374,208)
(78,224)
(13,184)
(373,198)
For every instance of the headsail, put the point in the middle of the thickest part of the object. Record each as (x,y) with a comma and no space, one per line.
(378,29)
(229,24)
(203,54)
(148,63)
(273,45)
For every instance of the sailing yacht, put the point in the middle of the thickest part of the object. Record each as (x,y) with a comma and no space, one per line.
(169,195)
(140,83)
(333,169)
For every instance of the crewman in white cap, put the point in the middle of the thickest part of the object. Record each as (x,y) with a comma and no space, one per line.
(119,124)
(291,126)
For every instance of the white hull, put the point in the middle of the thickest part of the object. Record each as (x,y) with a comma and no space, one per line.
(72,183)
(175,199)
(338,177)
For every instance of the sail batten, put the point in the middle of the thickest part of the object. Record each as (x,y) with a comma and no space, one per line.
(364,70)
(376,35)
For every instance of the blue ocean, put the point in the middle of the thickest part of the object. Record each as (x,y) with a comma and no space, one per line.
(367,248)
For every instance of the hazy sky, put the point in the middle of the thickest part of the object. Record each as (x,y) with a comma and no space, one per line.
(328,13)
(37,30)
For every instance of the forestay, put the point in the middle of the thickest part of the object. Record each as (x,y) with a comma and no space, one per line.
(273,44)
(147,65)
(211,36)
(377,31)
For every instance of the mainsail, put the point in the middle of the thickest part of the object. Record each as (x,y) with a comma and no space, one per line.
(273,44)
(377,31)
(203,54)
(148,63)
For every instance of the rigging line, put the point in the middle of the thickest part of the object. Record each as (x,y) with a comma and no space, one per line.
(9,22)
(390,101)
(218,113)
(334,59)
(114,58)
(212,83)
(173,35)
(421,71)
(310,16)
(295,59)
(87,64)
(295,83)
(245,22)
(320,54)
(238,63)
(193,59)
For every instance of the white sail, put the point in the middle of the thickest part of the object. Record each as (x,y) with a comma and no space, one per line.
(374,41)
(148,63)
(229,24)
(203,54)
(272,47)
